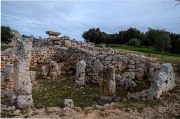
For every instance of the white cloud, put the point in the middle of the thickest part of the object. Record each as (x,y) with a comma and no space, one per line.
(72,18)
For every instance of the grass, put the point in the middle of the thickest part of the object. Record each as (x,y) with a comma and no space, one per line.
(5,47)
(51,93)
(168,57)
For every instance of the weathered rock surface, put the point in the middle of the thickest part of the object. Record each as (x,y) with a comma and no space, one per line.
(98,66)
(22,97)
(8,72)
(68,103)
(125,82)
(162,82)
(53,69)
(32,76)
(44,71)
(80,73)
(107,83)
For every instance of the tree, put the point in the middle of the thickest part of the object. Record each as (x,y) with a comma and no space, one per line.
(6,34)
(177,46)
(134,42)
(163,42)
(178,2)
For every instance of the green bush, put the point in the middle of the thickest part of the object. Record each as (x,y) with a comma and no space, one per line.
(6,34)
(134,42)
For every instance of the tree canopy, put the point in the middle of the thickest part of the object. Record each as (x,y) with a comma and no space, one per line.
(135,37)
(6,34)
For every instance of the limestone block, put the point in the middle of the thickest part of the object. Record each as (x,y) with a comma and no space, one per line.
(125,74)
(53,66)
(80,73)
(68,103)
(106,62)
(22,97)
(108,58)
(131,66)
(163,81)
(24,101)
(8,72)
(131,62)
(119,80)
(110,51)
(107,83)
(44,71)
(97,66)
(100,57)
(139,76)
(129,84)
(132,75)
(54,109)
(121,65)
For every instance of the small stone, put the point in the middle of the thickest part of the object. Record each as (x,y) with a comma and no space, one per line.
(17,111)
(40,110)
(53,109)
(68,103)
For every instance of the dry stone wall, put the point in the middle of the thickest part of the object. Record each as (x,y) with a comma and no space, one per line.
(67,56)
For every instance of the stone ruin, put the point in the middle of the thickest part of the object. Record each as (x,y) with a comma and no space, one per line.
(80,73)
(107,83)
(22,94)
(53,34)
(101,66)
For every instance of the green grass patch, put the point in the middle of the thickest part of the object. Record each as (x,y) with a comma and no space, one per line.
(51,93)
(168,57)
(5,47)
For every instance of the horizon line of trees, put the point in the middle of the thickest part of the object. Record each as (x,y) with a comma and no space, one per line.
(159,39)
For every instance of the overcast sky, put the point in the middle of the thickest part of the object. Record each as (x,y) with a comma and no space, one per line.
(72,18)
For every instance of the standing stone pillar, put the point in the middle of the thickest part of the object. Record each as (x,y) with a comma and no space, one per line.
(22,95)
(80,73)
(107,84)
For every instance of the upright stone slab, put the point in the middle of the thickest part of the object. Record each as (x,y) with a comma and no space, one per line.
(98,66)
(107,84)
(80,73)
(44,71)
(162,82)
(22,96)
(53,69)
